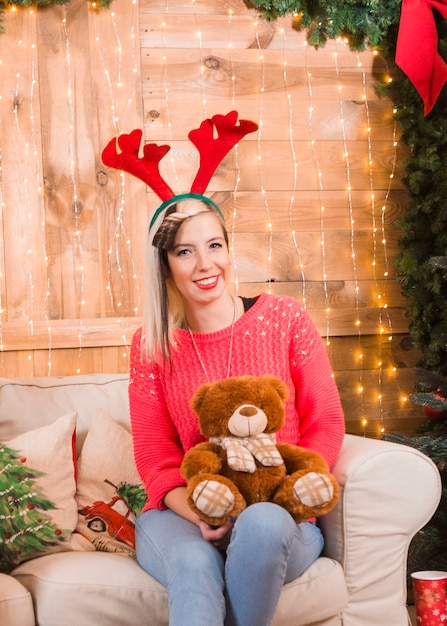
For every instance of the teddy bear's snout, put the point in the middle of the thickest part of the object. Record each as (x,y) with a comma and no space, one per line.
(247,420)
(248,411)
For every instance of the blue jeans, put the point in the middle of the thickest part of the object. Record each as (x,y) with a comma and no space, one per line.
(242,588)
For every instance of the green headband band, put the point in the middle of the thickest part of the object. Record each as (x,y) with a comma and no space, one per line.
(184,196)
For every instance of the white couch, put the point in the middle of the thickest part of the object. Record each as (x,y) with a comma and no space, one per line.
(388,492)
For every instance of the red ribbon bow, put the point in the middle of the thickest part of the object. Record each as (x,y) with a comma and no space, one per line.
(417,48)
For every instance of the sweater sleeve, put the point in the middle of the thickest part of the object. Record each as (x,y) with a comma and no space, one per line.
(322,425)
(157,449)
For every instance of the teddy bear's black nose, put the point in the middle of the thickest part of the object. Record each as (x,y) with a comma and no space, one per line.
(248,411)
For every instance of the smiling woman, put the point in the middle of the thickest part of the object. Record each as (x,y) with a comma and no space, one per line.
(191,318)
(187,261)
(199,265)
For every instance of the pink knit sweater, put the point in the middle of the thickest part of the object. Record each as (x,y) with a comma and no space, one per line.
(275,336)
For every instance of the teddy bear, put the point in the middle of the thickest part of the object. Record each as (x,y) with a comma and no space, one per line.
(241,463)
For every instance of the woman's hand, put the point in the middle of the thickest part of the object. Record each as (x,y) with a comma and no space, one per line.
(219,536)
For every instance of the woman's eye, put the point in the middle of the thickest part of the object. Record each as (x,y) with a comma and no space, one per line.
(216,245)
(183,252)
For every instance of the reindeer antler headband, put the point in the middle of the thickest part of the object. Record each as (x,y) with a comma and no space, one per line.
(213,139)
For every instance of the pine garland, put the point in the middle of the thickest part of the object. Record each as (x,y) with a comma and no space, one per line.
(364,22)
(4,4)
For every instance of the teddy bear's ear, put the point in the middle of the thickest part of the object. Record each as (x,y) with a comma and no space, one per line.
(199,396)
(278,385)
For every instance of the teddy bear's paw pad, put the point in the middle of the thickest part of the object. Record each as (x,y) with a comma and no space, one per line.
(213,498)
(313,489)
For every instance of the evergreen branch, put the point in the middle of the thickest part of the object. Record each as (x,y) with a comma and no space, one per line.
(364,23)
(440,262)
(429,400)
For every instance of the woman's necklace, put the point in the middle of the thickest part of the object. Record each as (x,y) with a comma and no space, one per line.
(230,351)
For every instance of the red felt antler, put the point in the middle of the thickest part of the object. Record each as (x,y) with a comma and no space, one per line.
(213,150)
(145,168)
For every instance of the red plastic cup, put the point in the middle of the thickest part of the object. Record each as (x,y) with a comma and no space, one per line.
(430,597)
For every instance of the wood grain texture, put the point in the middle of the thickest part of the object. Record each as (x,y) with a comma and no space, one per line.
(23,259)
(311,200)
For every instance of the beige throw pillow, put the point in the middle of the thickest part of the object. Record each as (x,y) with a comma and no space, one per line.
(109,490)
(38,510)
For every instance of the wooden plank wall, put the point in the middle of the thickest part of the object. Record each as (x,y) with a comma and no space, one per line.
(311,200)
(71,243)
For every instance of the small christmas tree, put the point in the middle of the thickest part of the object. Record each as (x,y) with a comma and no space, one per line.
(133,495)
(24,527)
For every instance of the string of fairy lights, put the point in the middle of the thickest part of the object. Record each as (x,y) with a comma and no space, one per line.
(320,187)
(118,79)
(237,167)
(74,174)
(29,181)
(120,271)
(34,151)
(375,248)
(22,91)
(350,202)
(262,188)
(346,157)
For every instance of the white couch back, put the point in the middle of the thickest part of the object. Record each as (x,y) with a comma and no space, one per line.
(29,403)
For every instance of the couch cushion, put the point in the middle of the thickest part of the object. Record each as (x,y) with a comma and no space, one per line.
(316,596)
(37,492)
(109,490)
(42,400)
(98,588)
(116,591)
(16,605)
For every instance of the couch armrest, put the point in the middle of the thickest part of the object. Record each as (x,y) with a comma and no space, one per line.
(388,492)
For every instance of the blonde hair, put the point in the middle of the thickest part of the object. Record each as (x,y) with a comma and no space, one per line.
(163,306)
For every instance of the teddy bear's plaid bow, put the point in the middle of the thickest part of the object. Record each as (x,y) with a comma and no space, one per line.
(241,451)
